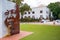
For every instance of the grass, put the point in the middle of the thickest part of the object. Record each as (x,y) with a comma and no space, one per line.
(41,32)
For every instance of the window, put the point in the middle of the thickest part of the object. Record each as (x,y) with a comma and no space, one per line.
(25,13)
(47,12)
(33,17)
(11,0)
(28,16)
(33,12)
(25,17)
(28,12)
(47,17)
(8,0)
(41,16)
(41,11)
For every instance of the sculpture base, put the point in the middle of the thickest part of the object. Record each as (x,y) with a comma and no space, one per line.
(21,35)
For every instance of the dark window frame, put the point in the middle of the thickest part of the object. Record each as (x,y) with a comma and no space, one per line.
(25,16)
(28,16)
(33,12)
(47,12)
(28,12)
(41,11)
(33,17)
(25,13)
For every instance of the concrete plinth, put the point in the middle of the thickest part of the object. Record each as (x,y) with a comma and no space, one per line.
(21,35)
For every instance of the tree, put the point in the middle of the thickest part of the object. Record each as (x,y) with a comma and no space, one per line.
(55,8)
(24,8)
(19,2)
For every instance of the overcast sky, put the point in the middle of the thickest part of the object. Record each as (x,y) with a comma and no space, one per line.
(35,3)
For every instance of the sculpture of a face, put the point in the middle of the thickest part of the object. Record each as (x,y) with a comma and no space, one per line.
(11,15)
(12,20)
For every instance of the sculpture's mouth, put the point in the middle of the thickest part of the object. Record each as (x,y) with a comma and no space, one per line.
(9,20)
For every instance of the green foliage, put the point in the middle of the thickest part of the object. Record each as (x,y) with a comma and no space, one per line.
(27,19)
(59,16)
(18,2)
(55,8)
(24,7)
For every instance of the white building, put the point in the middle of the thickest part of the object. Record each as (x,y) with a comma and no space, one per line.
(4,6)
(38,12)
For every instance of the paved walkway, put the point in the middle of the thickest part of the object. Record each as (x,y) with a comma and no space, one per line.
(47,23)
(17,36)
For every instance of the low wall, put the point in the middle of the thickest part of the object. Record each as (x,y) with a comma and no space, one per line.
(47,23)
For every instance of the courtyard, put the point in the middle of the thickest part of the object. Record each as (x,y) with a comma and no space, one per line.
(41,32)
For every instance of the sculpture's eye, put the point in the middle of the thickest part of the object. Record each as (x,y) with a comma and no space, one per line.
(6,13)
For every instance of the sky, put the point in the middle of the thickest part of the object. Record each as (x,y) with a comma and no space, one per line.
(35,3)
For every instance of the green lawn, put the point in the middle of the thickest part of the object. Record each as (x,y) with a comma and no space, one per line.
(41,32)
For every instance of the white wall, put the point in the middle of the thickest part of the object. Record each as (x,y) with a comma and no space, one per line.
(0,18)
(37,12)
(6,5)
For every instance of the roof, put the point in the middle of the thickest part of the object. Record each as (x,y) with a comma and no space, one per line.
(40,6)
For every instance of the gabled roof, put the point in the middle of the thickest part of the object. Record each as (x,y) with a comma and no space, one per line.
(40,6)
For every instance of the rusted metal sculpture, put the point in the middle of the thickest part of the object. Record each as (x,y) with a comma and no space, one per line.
(12,21)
